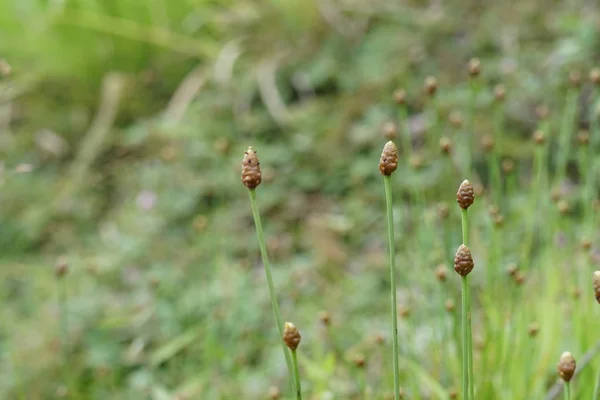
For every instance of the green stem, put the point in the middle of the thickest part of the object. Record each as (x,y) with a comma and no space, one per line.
(466,311)
(392,254)
(465,337)
(496,177)
(296,375)
(534,205)
(263,251)
(597,387)
(567,390)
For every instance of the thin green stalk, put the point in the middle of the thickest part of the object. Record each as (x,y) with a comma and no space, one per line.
(566,128)
(534,205)
(296,375)
(263,251)
(597,387)
(465,337)
(466,297)
(567,390)
(392,254)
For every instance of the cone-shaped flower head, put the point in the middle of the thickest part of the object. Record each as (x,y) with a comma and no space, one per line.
(474,67)
(465,195)
(291,336)
(251,169)
(389,159)
(596,282)
(566,366)
(463,261)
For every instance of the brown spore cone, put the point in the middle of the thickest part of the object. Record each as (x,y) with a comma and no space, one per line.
(291,336)
(251,176)
(463,261)
(566,366)
(465,195)
(388,162)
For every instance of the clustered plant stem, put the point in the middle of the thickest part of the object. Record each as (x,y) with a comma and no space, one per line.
(567,390)
(263,251)
(392,256)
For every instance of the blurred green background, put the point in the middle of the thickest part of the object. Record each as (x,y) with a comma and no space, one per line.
(122,128)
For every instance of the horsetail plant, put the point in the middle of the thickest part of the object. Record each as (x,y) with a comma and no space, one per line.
(596,284)
(251,178)
(463,265)
(388,163)
(291,338)
(566,369)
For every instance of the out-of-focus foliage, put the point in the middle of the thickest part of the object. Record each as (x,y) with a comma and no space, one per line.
(133,117)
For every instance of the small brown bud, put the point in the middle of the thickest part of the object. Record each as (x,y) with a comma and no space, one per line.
(519,278)
(474,67)
(465,195)
(596,283)
(443,210)
(431,85)
(61,268)
(441,273)
(512,269)
(533,329)
(390,130)
(463,261)
(416,162)
(388,162)
(575,78)
(508,165)
(445,145)
(566,366)
(586,244)
(379,339)
(542,111)
(576,292)
(499,220)
(583,137)
(499,92)
(563,206)
(400,97)
(539,137)
(403,310)
(487,142)
(449,305)
(455,119)
(274,393)
(453,393)
(595,76)
(359,360)
(251,176)
(291,336)
(325,318)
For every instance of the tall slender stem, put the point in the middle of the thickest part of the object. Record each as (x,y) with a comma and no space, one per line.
(465,338)
(296,375)
(566,128)
(263,251)
(392,254)
(466,311)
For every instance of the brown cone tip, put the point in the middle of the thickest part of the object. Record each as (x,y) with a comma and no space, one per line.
(596,282)
(389,159)
(465,195)
(251,176)
(566,366)
(474,67)
(463,261)
(291,336)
